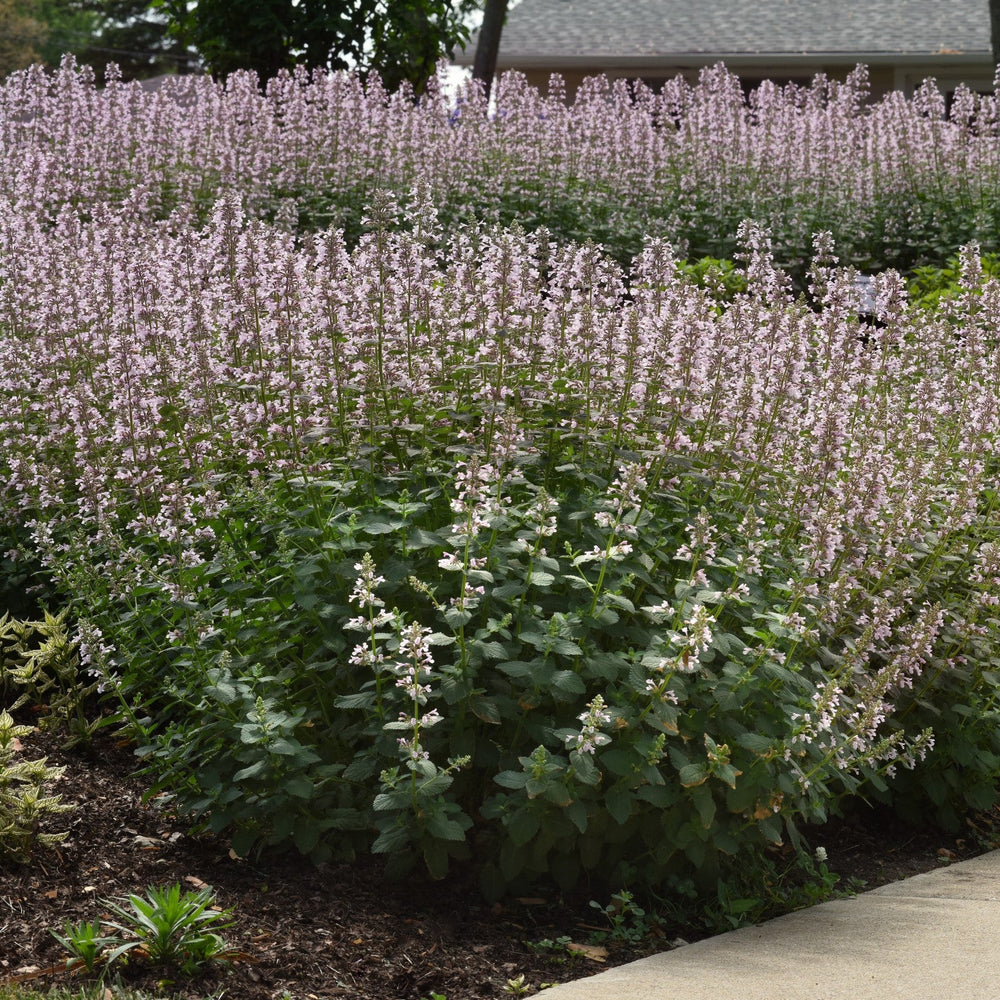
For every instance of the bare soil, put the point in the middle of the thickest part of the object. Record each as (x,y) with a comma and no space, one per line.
(341,931)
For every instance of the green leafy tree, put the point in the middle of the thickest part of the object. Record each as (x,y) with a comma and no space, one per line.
(401,41)
(131,33)
(21,34)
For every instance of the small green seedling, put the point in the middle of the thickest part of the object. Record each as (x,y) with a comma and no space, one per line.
(86,944)
(172,928)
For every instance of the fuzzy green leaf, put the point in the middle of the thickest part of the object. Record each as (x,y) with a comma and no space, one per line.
(693,775)
(618,801)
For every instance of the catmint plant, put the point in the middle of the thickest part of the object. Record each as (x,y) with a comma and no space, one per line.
(386,525)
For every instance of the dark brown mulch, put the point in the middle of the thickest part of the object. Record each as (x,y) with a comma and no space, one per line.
(342,931)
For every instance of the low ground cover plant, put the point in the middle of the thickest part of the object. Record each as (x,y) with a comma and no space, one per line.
(169,928)
(468,538)
(26,801)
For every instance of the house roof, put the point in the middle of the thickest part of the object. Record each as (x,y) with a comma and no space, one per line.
(565,33)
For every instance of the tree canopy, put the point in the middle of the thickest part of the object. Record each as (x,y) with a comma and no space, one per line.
(401,40)
(21,35)
(134,34)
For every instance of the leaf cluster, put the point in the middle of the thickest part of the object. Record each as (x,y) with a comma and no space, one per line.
(24,805)
(40,667)
(284,718)
(401,42)
(169,928)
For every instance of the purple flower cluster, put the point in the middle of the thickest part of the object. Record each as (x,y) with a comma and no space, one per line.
(685,162)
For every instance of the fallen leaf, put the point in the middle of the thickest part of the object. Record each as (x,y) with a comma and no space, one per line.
(193,880)
(358,941)
(943,852)
(89,888)
(595,952)
(16,744)
(52,894)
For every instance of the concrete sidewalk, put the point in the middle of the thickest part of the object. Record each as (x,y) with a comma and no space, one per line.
(931,937)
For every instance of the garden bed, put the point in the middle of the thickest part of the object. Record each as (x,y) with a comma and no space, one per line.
(343,930)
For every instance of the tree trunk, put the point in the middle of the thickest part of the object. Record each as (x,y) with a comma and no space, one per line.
(488,46)
(995,31)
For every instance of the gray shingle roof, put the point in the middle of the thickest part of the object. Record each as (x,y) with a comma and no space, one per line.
(568,30)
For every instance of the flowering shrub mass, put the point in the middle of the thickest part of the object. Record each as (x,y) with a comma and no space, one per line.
(439,539)
(898,182)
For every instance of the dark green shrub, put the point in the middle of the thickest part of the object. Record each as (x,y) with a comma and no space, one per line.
(430,668)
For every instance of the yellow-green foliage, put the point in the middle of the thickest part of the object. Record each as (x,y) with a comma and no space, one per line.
(40,665)
(23,802)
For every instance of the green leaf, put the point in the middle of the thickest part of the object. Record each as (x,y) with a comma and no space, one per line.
(771,827)
(566,683)
(382,527)
(344,818)
(361,768)
(755,743)
(619,762)
(584,768)
(436,859)
(522,825)
(727,774)
(538,640)
(704,802)
(395,839)
(606,617)
(517,668)
(485,710)
(364,699)
(306,836)
(557,793)
(391,801)
(618,802)
(417,538)
(489,650)
(693,775)
(511,779)
(577,814)
(660,796)
(456,617)
(439,825)
(301,787)
(243,841)
(565,647)
(620,602)
(307,599)
(255,769)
